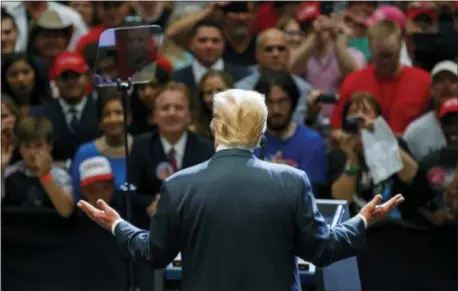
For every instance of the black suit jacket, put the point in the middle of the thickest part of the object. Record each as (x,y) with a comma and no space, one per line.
(65,141)
(186,75)
(239,222)
(146,155)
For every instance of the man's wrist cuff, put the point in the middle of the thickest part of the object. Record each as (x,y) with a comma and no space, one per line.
(113,227)
(363,219)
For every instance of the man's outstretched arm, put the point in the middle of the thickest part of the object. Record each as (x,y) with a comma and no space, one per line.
(158,246)
(322,245)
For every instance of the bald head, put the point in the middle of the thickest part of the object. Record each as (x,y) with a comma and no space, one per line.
(239,118)
(271,33)
(271,50)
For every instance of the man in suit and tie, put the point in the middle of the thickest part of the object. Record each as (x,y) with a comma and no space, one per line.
(157,155)
(207,46)
(74,114)
(239,222)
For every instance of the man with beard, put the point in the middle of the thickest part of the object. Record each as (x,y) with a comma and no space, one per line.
(286,141)
(425,134)
(74,114)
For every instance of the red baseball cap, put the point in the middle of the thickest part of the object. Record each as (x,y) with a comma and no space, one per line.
(307,11)
(448,106)
(419,8)
(387,12)
(70,61)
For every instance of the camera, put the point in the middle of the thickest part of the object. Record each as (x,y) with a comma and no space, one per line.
(328,98)
(351,124)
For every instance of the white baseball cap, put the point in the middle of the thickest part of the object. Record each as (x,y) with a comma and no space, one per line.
(94,170)
(445,66)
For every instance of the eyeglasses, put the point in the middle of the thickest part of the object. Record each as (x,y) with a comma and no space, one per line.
(271,48)
(292,33)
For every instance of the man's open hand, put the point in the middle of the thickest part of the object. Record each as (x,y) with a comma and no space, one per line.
(373,212)
(104,215)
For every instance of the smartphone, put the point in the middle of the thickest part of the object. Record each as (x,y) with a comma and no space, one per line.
(328,98)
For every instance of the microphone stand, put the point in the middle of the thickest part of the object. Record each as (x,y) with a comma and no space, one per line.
(127,189)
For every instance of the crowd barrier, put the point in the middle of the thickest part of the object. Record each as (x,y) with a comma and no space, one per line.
(44,252)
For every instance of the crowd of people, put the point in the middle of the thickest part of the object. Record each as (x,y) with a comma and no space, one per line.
(331,75)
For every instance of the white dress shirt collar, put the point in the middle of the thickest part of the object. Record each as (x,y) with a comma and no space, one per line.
(179,147)
(226,147)
(199,70)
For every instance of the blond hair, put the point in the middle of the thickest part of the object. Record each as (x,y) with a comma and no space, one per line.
(239,118)
(383,30)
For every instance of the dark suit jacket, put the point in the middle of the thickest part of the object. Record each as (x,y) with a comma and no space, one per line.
(65,141)
(146,155)
(186,74)
(239,222)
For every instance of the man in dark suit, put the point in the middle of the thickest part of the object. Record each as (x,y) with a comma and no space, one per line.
(159,154)
(207,46)
(238,221)
(74,114)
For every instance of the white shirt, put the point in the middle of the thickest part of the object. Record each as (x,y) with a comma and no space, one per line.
(179,147)
(199,70)
(66,109)
(67,14)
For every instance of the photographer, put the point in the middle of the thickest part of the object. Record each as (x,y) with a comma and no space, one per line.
(349,173)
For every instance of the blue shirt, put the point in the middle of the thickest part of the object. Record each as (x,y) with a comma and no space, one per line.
(305,150)
(89,150)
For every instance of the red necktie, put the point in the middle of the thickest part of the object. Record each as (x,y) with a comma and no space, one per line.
(173,160)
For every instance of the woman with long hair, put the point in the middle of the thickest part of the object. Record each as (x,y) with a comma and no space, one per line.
(211,83)
(10,118)
(23,81)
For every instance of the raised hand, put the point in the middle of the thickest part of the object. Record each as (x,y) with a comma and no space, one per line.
(103,215)
(7,153)
(43,163)
(313,106)
(374,212)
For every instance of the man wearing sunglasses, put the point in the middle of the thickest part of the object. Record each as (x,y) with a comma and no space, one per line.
(272,54)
